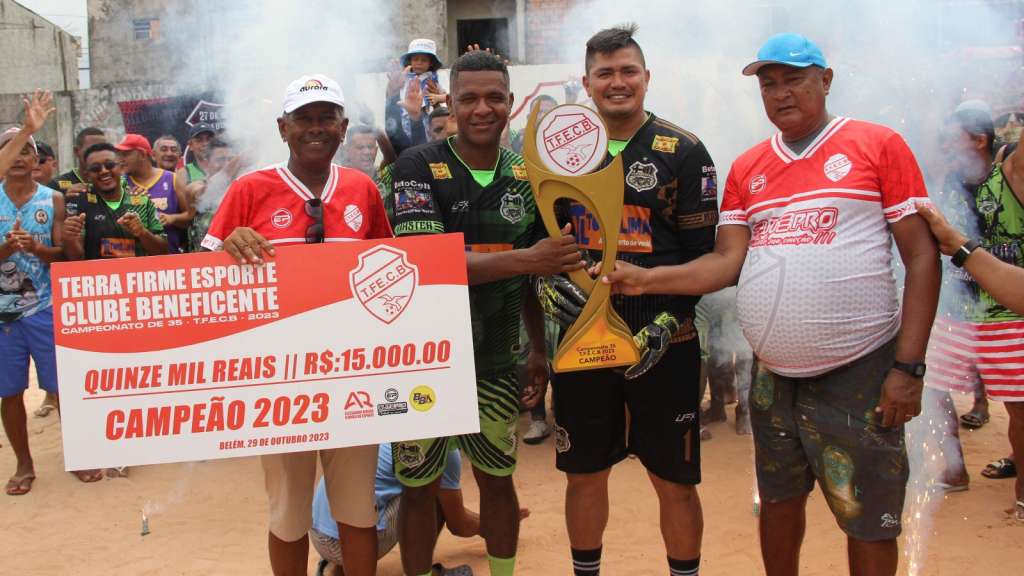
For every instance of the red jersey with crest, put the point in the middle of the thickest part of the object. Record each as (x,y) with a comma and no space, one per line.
(272,202)
(817,289)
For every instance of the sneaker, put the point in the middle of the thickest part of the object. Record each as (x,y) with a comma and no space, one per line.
(538,431)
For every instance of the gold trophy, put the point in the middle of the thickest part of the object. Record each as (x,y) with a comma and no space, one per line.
(560,151)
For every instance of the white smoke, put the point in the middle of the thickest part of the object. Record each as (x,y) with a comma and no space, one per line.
(903,64)
(255,48)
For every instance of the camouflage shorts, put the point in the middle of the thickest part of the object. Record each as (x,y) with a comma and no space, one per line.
(492,450)
(825,429)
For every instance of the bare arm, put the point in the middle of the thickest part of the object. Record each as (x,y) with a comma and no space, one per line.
(537,361)
(55,253)
(26,242)
(9,247)
(920,256)
(153,244)
(180,180)
(533,321)
(461,521)
(901,392)
(1003,281)
(491,267)
(37,109)
(186,211)
(547,257)
(387,151)
(709,273)
(74,248)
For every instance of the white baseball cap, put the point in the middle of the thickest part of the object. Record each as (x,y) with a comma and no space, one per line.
(310,89)
(7,135)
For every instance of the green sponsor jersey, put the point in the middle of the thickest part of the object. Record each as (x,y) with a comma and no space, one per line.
(103,236)
(434,192)
(1001,222)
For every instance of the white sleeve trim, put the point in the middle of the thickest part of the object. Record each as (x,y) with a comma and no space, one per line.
(728,217)
(212,243)
(900,211)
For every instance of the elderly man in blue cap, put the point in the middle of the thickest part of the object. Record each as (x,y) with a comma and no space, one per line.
(806,224)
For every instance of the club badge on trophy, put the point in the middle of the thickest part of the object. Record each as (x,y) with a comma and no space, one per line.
(561,151)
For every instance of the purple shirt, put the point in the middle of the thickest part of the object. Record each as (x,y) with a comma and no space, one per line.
(161,192)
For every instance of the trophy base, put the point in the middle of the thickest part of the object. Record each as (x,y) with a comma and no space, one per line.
(597,344)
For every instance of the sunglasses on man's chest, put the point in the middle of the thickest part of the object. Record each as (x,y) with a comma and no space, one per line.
(315,210)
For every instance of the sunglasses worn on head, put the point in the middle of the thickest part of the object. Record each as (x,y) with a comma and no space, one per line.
(97,167)
(315,210)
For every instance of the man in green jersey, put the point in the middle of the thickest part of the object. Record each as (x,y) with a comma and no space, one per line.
(467,183)
(107,222)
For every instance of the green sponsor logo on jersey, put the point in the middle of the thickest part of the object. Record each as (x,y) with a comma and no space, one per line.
(419,227)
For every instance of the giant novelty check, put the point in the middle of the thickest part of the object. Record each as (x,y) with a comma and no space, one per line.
(194,357)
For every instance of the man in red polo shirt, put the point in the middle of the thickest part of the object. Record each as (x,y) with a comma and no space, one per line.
(309,200)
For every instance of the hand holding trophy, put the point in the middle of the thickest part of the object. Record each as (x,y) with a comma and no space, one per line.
(561,150)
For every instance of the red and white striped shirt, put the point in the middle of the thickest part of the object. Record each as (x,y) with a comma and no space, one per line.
(272,201)
(817,289)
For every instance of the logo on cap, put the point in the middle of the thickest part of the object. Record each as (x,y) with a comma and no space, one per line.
(313,84)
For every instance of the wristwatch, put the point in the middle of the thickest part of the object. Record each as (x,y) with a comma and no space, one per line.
(960,256)
(915,369)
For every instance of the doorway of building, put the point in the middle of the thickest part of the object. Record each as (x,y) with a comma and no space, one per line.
(487,32)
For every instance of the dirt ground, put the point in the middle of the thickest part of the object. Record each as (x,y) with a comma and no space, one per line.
(210,517)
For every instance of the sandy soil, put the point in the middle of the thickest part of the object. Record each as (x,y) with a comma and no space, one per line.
(210,517)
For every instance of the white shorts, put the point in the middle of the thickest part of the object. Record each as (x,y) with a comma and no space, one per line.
(291,479)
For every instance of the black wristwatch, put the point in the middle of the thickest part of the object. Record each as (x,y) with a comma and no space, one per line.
(960,256)
(915,369)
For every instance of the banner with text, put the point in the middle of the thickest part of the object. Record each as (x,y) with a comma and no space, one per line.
(194,357)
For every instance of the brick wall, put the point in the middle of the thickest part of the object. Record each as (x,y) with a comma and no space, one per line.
(545,29)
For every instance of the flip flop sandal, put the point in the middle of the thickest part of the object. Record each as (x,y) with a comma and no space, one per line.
(87,478)
(1018,511)
(44,410)
(1000,469)
(973,420)
(19,485)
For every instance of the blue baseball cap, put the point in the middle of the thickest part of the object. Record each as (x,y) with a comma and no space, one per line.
(788,49)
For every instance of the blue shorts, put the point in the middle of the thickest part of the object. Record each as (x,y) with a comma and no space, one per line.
(27,337)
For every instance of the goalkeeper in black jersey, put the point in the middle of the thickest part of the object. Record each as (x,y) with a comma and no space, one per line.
(652,408)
